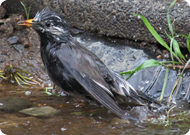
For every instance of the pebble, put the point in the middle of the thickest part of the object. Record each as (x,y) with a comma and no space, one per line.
(13,40)
(43,111)
(27,93)
(117,121)
(4,53)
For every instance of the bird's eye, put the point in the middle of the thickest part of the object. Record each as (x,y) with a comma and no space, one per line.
(41,29)
(48,23)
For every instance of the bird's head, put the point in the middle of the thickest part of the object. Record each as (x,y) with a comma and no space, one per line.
(48,23)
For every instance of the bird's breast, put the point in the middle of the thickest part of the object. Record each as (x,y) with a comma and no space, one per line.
(58,71)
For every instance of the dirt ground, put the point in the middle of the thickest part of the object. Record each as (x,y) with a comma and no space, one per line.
(20,46)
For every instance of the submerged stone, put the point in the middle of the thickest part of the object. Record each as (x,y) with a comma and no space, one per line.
(43,111)
(13,104)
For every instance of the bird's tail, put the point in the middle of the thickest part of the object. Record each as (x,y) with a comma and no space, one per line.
(123,88)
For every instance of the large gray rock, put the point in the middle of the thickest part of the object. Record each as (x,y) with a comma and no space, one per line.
(115,17)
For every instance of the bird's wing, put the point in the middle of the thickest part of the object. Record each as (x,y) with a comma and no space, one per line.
(84,69)
(120,86)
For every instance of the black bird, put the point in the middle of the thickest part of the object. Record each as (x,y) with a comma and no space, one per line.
(78,71)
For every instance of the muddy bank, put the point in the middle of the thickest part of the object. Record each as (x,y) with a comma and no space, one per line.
(115,18)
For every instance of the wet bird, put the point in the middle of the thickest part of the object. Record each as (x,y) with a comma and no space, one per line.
(78,71)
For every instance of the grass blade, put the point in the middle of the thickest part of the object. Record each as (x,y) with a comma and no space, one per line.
(174,44)
(26,12)
(16,78)
(178,80)
(171,41)
(170,97)
(164,85)
(187,92)
(155,34)
(188,39)
(187,63)
(168,123)
(178,86)
(146,64)
(177,49)
(168,18)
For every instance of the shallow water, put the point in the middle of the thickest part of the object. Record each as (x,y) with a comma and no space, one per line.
(78,117)
(75,118)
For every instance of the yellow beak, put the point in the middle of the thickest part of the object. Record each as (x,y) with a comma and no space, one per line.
(27,23)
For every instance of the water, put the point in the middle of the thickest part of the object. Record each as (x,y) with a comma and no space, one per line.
(78,117)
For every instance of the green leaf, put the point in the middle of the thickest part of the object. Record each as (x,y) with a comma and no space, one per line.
(26,12)
(171,41)
(177,49)
(188,39)
(47,90)
(187,63)
(146,64)
(155,34)
(149,63)
(174,44)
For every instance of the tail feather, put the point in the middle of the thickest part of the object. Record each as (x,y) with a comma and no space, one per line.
(123,88)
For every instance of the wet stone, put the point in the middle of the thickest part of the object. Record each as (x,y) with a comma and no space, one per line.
(13,104)
(18,47)
(141,112)
(43,111)
(117,121)
(13,40)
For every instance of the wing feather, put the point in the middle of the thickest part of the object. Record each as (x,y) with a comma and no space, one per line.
(84,70)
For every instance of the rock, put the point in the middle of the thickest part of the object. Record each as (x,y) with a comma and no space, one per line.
(115,18)
(14,19)
(6,30)
(141,112)
(3,53)
(2,12)
(113,54)
(13,104)
(117,121)
(13,40)
(18,47)
(43,111)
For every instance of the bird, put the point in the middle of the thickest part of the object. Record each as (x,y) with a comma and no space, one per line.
(76,70)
